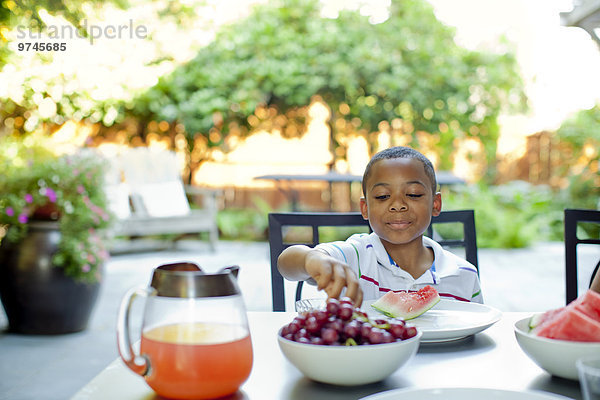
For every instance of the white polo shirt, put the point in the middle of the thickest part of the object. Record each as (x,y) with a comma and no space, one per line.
(451,276)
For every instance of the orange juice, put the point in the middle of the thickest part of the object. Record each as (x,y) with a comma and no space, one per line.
(197,360)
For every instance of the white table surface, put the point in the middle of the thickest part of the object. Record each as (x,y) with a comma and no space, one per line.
(490,359)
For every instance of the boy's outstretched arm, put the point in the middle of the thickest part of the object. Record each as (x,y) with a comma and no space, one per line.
(596,282)
(300,263)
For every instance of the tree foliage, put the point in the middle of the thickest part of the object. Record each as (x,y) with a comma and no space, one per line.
(581,135)
(15,12)
(407,68)
(582,128)
(91,79)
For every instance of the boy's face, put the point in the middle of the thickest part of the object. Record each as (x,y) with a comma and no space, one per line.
(399,200)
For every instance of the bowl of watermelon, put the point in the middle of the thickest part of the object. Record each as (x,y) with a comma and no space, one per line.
(328,342)
(555,339)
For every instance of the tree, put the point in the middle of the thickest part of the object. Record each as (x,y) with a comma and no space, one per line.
(15,12)
(579,137)
(406,69)
(81,81)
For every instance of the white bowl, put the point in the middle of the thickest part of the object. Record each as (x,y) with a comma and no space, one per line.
(556,357)
(349,365)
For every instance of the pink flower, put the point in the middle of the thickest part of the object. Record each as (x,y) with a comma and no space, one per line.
(10,212)
(28,198)
(80,189)
(86,268)
(23,218)
(51,194)
(104,255)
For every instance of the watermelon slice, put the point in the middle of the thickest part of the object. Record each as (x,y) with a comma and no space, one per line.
(589,304)
(573,325)
(407,305)
(577,321)
(541,318)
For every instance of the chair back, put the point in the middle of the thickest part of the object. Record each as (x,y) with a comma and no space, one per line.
(572,218)
(315,220)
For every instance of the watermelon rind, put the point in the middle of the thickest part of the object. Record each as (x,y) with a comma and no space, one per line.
(386,306)
(406,316)
(384,312)
(535,320)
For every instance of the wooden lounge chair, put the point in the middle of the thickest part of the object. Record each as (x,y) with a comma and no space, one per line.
(148,196)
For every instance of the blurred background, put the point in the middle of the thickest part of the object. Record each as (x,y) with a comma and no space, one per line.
(503,94)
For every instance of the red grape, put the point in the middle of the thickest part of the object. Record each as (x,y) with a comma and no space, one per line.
(340,323)
(312,325)
(376,336)
(398,330)
(345,311)
(303,340)
(411,331)
(346,300)
(302,333)
(293,327)
(336,324)
(329,335)
(387,337)
(352,329)
(365,329)
(321,316)
(317,340)
(333,306)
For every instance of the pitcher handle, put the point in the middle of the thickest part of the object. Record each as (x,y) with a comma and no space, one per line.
(136,362)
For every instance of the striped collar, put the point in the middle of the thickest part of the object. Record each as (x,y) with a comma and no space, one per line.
(435,272)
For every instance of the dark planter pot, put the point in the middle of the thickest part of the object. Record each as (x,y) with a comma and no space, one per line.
(38,298)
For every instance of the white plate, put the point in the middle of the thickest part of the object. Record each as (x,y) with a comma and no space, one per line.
(462,394)
(448,319)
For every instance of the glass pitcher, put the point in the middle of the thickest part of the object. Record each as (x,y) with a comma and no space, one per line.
(195,342)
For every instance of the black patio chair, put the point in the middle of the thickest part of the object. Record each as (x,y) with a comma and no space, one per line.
(572,218)
(277,222)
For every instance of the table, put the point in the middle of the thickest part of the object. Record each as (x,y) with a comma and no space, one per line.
(490,359)
(331,177)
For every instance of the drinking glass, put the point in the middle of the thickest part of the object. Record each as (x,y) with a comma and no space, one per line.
(589,377)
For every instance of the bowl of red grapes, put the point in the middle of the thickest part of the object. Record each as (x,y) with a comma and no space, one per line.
(337,343)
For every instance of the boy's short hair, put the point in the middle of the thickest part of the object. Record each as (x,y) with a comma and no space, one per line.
(400,152)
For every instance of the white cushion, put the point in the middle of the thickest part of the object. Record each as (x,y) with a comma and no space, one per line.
(118,199)
(164,199)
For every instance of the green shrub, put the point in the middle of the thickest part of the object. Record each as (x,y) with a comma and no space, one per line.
(512,215)
(245,223)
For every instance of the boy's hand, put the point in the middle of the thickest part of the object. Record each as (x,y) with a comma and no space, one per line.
(332,276)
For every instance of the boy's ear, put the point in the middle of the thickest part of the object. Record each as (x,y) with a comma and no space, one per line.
(363,208)
(437,204)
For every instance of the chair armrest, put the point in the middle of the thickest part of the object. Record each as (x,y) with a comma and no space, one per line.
(209,196)
(195,190)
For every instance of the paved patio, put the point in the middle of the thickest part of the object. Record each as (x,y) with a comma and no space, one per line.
(56,367)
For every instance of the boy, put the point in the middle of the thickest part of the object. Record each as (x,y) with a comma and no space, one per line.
(400,197)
